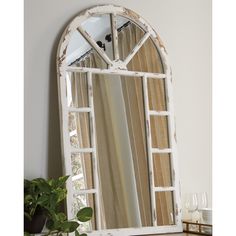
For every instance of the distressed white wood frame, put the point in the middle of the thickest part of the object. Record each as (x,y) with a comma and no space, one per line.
(118,67)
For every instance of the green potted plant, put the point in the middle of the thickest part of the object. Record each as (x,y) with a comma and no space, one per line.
(43,203)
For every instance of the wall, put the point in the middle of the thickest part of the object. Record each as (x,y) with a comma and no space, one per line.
(184,26)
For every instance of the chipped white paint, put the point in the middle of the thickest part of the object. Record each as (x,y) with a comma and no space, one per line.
(85,191)
(92,42)
(164,189)
(157,150)
(94,153)
(82,109)
(115,72)
(172,140)
(158,113)
(114,36)
(118,67)
(82,150)
(149,151)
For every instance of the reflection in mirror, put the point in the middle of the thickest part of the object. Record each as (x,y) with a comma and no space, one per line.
(82,171)
(98,30)
(165,208)
(79,49)
(134,46)
(156,92)
(162,170)
(121,149)
(101,22)
(85,200)
(79,130)
(77,87)
(159,132)
(146,58)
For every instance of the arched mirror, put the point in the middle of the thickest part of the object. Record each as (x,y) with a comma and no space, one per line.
(117,124)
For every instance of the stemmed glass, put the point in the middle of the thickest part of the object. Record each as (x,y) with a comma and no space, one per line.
(191,204)
(202,202)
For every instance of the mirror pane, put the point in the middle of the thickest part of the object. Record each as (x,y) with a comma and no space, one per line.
(159,131)
(156,94)
(165,208)
(82,171)
(146,58)
(85,200)
(79,129)
(127,37)
(80,53)
(162,170)
(121,149)
(77,90)
(99,28)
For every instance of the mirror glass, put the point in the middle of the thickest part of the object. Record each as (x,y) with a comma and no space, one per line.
(121,151)
(162,170)
(121,147)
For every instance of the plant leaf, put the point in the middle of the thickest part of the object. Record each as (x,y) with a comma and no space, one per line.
(69,226)
(77,233)
(28,199)
(85,214)
(61,216)
(26,234)
(63,179)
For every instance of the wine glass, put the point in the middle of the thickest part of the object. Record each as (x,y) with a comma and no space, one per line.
(187,205)
(191,204)
(202,200)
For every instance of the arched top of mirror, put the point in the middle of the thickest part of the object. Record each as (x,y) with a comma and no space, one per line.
(79,38)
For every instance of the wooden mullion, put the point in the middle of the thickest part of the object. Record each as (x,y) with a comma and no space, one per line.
(163,189)
(114,36)
(82,109)
(93,43)
(82,150)
(85,191)
(158,150)
(132,74)
(136,48)
(94,153)
(158,113)
(149,151)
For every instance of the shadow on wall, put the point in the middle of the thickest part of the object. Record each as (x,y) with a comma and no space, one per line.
(54,142)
